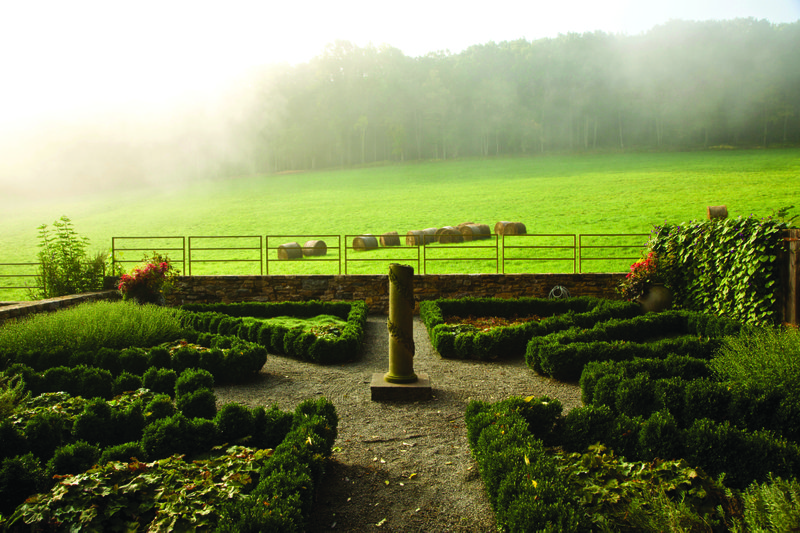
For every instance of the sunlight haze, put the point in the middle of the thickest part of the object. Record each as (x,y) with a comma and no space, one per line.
(81,57)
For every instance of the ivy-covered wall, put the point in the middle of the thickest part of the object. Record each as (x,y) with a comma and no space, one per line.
(729,267)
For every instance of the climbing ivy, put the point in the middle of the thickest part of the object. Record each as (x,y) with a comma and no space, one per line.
(727,267)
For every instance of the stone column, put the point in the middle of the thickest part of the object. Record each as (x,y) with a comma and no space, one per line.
(401,325)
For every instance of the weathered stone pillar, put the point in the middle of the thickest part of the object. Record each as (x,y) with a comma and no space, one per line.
(401,325)
(401,383)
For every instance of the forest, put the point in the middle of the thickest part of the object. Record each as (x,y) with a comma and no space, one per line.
(682,85)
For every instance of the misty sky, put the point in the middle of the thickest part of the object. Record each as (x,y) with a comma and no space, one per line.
(74,56)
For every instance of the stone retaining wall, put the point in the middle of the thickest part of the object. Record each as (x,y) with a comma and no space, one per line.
(374,289)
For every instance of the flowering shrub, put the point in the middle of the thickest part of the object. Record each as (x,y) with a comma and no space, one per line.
(642,276)
(148,283)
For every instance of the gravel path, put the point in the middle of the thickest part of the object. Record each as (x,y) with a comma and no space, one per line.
(399,466)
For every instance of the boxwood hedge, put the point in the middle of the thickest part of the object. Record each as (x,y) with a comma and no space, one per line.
(461,341)
(229,320)
(563,354)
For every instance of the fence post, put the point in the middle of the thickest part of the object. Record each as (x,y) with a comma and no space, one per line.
(789,259)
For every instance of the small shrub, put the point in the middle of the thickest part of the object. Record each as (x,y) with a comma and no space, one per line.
(134,360)
(159,357)
(160,380)
(660,437)
(94,382)
(587,425)
(46,431)
(73,459)
(270,426)
(184,358)
(94,425)
(12,440)
(159,407)
(124,452)
(168,436)
(235,422)
(199,403)
(126,382)
(20,477)
(193,379)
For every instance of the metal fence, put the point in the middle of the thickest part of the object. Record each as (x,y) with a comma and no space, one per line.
(364,254)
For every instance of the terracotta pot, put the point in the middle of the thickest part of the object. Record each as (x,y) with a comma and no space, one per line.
(656,298)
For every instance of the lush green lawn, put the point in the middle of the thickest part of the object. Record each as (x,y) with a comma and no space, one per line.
(577,194)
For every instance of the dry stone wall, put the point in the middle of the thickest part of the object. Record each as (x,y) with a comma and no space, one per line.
(374,289)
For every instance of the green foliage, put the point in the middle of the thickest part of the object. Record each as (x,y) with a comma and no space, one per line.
(726,267)
(20,477)
(193,379)
(772,506)
(252,322)
(767,358)
(235,421)
(90,327)
(160,380)
(73,458)
(160,406)
(12,393)
(65,267)
(564,354)
(198,403)
(127,451)
(126,382)
(165,495)
(463,341)
(590,489)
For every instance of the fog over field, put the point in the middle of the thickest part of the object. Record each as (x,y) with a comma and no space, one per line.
(106,100)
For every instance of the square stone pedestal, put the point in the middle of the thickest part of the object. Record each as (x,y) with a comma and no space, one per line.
(382,390)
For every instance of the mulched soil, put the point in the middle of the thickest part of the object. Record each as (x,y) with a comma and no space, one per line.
(399,466)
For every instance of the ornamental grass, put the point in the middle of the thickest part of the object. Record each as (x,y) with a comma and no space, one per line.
(92,326)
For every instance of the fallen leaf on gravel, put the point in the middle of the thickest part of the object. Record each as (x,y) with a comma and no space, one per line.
(379,524)
(386,482)
(412,476)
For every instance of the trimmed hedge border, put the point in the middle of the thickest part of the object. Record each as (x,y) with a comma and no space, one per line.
(540,475)
(465,342)
(109,372)
(685,387)
(563,354)
(228,319)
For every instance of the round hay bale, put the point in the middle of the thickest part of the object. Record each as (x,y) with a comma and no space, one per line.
(510,228)
(717,211)
(500,227)
(484,231)
(519,228)
(365,242)
(390,239)
(414,238)
(315,247)
(448,235)
(465,224)
(290,251)
(475,232)
(430,235)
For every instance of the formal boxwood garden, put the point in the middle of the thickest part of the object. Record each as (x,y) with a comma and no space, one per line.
(250,321)
(710,443)
(464,341)
(563,354)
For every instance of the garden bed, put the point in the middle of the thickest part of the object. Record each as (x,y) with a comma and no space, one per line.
(495,330)
(266,324)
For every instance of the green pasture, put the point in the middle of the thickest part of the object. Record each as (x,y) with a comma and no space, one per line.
(559,196)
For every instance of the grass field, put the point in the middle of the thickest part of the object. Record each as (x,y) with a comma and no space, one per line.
(577,194)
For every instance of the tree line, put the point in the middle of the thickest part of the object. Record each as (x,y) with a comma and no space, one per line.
(682,85)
